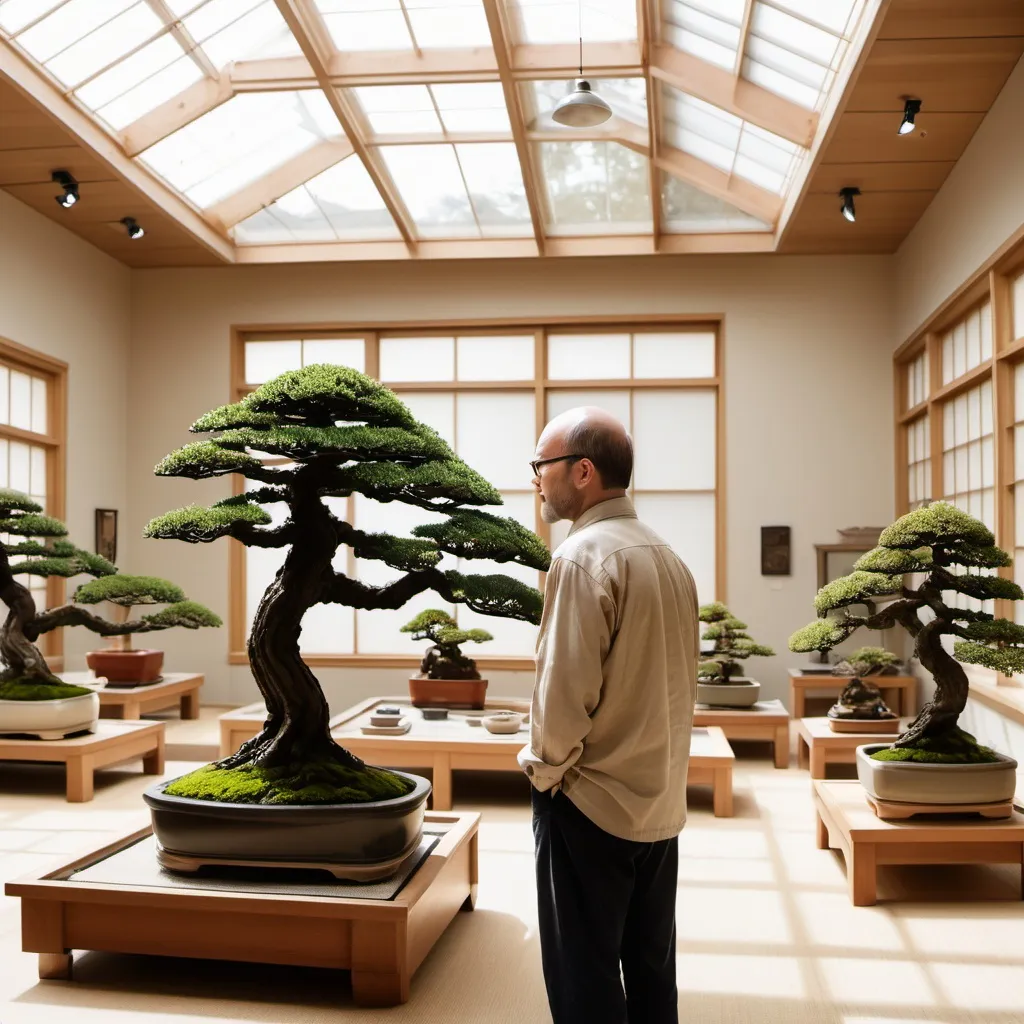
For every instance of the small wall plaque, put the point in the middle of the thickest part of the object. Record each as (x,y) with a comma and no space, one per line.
(775,550)
(106,533)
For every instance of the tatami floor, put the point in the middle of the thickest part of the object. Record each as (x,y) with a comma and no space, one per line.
(765,930)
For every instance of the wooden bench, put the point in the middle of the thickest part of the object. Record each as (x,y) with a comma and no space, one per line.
(899,692)
(845,821)
(112,743)
(131,702)
(767,720)
(817,746)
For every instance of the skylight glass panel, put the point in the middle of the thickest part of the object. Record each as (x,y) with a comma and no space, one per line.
(405,24)
(430,183)
(67,24)
(141,96)
(688,210)
(494,179)
(16,14)
(399,109)
(709,30)
(472,107)
(448,23)
(230,30)
(595,188)
(835,15)
(240,141)
(558,21)
(626,96)
(341,204)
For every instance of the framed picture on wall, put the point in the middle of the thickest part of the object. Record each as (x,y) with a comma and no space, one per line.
(775,549)
(106,533)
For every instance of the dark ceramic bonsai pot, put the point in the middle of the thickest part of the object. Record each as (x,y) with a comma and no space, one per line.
(359,835)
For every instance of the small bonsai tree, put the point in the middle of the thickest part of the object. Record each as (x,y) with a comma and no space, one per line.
(444,660)
(342,433)
(732,644)
(936,540)
(867,661)
(46,552)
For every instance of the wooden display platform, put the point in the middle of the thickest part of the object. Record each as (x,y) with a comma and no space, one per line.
(893,811)
(766,720)
(381,941)
(176,688)
(846,821)
(451,744)
(817,746)
(111,743)
(899,692)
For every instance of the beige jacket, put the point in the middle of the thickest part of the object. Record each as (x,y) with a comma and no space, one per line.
(616,676)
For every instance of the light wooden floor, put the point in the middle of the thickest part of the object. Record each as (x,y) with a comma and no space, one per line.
(766,933)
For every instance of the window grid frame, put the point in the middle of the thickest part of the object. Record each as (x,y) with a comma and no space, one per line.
(539,386)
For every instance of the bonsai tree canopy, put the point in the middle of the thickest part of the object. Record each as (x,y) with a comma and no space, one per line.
(867,661)
(342,433)
(445,660)
(732,644)
(955,553)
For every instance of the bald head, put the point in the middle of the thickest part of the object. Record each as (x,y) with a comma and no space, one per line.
(596,435)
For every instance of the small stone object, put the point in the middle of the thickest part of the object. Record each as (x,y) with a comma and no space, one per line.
(434,714)
(387,710)
(861,701)
(503,722)
(383,719)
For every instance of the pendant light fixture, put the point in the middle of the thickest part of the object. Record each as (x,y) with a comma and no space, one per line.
(847,209)
(581,107)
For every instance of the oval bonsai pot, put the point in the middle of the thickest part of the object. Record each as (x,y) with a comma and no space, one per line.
(447,693)
(864,725)
(740,693)
(358,835)
(911,782)
(127,668)
(50,719)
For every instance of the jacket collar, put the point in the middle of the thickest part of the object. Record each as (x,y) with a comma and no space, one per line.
(611,508)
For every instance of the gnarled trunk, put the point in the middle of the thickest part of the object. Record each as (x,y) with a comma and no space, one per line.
(939,716)
(21,658)
(297,727)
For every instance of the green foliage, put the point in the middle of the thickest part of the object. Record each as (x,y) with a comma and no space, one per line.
(188,614)
(894,560)
(868,660)
(203,459)
(450,637)
(62,559)
(1002,659)
(713,612)
(995,631)
(324,782)
(982,558)
(321,395)
(128,591)
(856,588)
(496,594)
(358,442)
(984,587)
(201,525)
(732,644)
(399,552)
(439,627)
(939,524)
(258,495)
(32,525)
(474,534)
(229,417)
(952,747)
(11,501)
(821,635)
(33,688)
(428,617)
(709,670)
(449,481)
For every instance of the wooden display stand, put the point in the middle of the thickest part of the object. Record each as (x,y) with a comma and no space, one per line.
(111,743)
(766,720)
(381,941)
(128,702)
(893,811)
(899,692)
(817,746)
(846,821)
(711,764)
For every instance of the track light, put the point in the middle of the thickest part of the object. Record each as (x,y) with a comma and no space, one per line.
(70,186)
(133,228)
(848,209)
(910,110)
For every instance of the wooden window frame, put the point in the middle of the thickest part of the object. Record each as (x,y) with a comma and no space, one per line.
(540,386)
(55,373)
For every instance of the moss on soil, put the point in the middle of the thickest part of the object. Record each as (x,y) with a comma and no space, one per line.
(957,747)
(316,783)
(34,689)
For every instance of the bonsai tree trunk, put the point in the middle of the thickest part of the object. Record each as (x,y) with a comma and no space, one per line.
(938,717)
(296,729)
(123,642)
(450,663)
(23,659)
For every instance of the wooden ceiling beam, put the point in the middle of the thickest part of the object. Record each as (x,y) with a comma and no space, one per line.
(311,34)
(44,94)
(499,39)
(748,10)
(183,36)
(175,114)
(648,19)
(723,89)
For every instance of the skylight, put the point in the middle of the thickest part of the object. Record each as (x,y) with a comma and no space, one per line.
(558,21)
(709,29)
(627,97)
(434,109)
(687,210)
(405,24)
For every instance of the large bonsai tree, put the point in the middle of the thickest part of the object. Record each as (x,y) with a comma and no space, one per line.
(343,433)
(42,550)
(732,644)
(954,553)
(445,660)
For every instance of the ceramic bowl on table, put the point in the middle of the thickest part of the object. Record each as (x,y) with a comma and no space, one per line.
(503,723)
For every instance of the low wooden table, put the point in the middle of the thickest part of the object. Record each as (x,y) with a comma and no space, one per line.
(111,743)
(381,941)
(818,746)
(130,702)
(845,821)
(899,692)
(765,720)
(711,764)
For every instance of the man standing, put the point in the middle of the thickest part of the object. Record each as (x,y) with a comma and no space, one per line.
(610,735)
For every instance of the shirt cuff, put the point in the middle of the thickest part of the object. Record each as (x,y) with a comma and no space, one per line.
(542,776)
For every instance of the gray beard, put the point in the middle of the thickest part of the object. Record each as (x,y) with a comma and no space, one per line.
(548,513)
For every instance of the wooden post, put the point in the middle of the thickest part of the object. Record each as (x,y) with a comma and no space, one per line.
(862,874)
(80,779)
(782,746)
(442,783)
(721,791)
(821,832)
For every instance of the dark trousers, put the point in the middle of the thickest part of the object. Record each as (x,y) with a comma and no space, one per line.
(605,904)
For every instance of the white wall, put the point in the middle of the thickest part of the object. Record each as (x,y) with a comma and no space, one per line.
(808,344)
(61,296)
(980,206)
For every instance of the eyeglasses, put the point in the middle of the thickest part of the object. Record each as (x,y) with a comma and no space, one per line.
(535,466)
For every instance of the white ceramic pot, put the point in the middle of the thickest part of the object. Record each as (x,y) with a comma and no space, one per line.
(740,693)
(50,719)
(503,723)
(910,782)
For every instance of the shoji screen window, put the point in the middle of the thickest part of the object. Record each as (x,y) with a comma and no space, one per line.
(919,462)
(968,459)
(968,344)
(663,386)
(1018,475)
